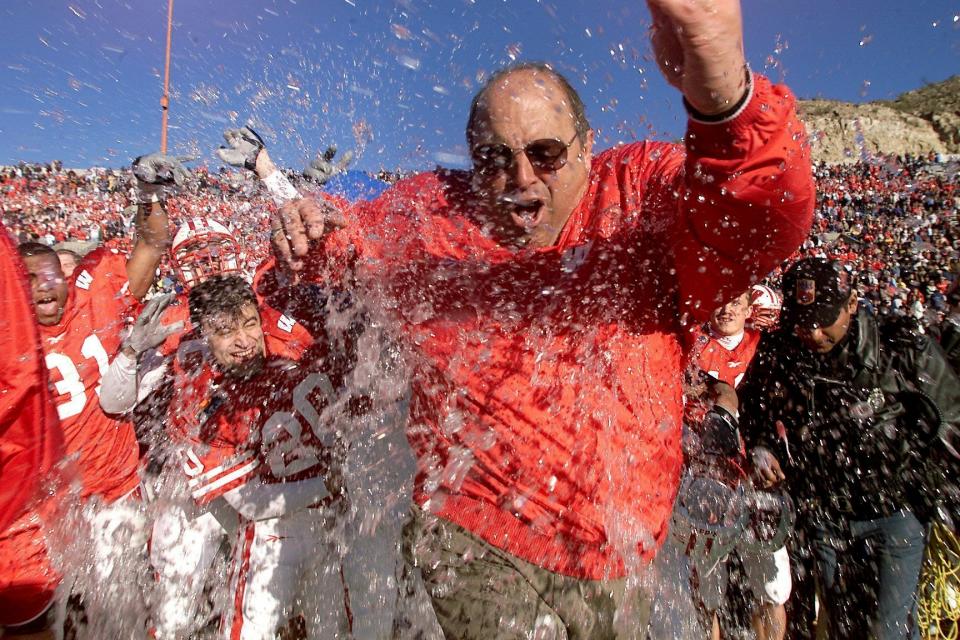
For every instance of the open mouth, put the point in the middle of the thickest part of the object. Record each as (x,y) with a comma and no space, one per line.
(243,356)
(525,212)
(47,306)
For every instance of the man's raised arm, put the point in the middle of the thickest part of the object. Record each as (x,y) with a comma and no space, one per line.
(157,177)
(746,192)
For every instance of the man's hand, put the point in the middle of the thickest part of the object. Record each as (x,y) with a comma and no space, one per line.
(148,332)
(243,147)
(160,175)
(298,226)
(698,45)
(766,467)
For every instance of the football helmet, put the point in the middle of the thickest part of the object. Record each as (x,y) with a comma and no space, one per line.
(203,247)
(764,297)
(765,303)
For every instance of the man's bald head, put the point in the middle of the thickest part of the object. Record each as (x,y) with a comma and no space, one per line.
(545,74)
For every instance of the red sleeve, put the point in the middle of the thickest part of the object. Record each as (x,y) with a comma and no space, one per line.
(30,438)
(110,278)
(747,199)
(283,335)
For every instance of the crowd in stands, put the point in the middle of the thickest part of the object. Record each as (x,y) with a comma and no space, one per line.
(893,223)
(891,220)
(52,205)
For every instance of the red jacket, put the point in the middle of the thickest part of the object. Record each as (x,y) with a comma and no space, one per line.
(31,441)
(547,383)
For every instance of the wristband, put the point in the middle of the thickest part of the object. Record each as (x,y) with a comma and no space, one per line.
(280,188)
(729,114)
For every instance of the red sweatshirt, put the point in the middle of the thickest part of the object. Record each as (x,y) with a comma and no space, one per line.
(547,386)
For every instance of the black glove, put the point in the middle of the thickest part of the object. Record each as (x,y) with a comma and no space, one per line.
(720,433)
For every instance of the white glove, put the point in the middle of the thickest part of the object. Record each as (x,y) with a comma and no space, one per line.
(243,147)
(159,176)
(148,332)
(322,168)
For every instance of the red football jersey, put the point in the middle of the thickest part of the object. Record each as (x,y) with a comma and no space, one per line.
(728,364)
(77,353)
(274,426)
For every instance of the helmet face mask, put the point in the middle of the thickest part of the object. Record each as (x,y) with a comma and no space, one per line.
(718,509)
(765,304)
(203,248)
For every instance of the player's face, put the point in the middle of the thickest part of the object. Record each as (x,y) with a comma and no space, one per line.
(729,319)
(524,130)
(48,286)
(824,339)
(236,339)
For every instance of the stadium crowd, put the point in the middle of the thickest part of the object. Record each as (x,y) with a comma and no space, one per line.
(890,220)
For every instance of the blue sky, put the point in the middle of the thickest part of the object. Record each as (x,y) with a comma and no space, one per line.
(82,78)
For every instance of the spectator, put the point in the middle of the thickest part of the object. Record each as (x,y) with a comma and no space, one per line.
(68,261)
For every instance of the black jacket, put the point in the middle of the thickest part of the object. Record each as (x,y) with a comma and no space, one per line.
(950,341)
(861,423)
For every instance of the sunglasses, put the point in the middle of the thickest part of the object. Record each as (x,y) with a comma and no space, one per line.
(546,154)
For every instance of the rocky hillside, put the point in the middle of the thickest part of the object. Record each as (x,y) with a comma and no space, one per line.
(920,121)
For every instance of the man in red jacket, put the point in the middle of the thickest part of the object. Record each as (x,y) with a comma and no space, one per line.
(541,296)
(31,444)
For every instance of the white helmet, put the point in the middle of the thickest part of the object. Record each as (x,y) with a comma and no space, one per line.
(766,298)
(202,247)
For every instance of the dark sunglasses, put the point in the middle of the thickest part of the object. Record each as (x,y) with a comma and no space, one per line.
(546,154)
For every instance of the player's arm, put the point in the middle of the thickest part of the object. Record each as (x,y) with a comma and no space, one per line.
(745,184)
(157,177)
(122,386)
(245,148)
(301,222)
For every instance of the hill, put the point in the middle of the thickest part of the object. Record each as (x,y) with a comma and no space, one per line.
(920,121)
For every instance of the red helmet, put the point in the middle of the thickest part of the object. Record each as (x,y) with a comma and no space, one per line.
(203,248)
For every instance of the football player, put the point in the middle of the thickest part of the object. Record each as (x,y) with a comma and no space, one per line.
(723,352)
(80,320)
(261,448)
(184,539)
(380,463)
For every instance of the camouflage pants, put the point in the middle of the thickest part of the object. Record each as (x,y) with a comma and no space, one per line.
(480,591)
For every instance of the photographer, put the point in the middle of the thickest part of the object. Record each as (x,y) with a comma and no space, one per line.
(854,409)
